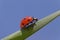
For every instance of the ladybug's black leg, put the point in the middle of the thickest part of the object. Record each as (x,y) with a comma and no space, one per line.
(27,25)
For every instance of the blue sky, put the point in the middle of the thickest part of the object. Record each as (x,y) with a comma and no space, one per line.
(12,11)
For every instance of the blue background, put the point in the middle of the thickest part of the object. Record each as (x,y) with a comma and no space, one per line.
(12,11)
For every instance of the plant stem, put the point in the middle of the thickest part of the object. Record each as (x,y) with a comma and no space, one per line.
(23,34)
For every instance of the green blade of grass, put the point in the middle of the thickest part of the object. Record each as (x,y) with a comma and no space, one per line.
(23,34)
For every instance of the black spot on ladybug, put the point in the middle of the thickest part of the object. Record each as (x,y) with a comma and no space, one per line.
(27,24)
(22,23)
(24,18)
(28,20)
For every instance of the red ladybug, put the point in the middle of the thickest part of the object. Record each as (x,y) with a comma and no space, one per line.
(28,20)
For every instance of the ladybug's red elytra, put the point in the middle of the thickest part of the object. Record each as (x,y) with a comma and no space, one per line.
(28,20)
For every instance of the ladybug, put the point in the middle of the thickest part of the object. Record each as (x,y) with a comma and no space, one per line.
(27,21)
